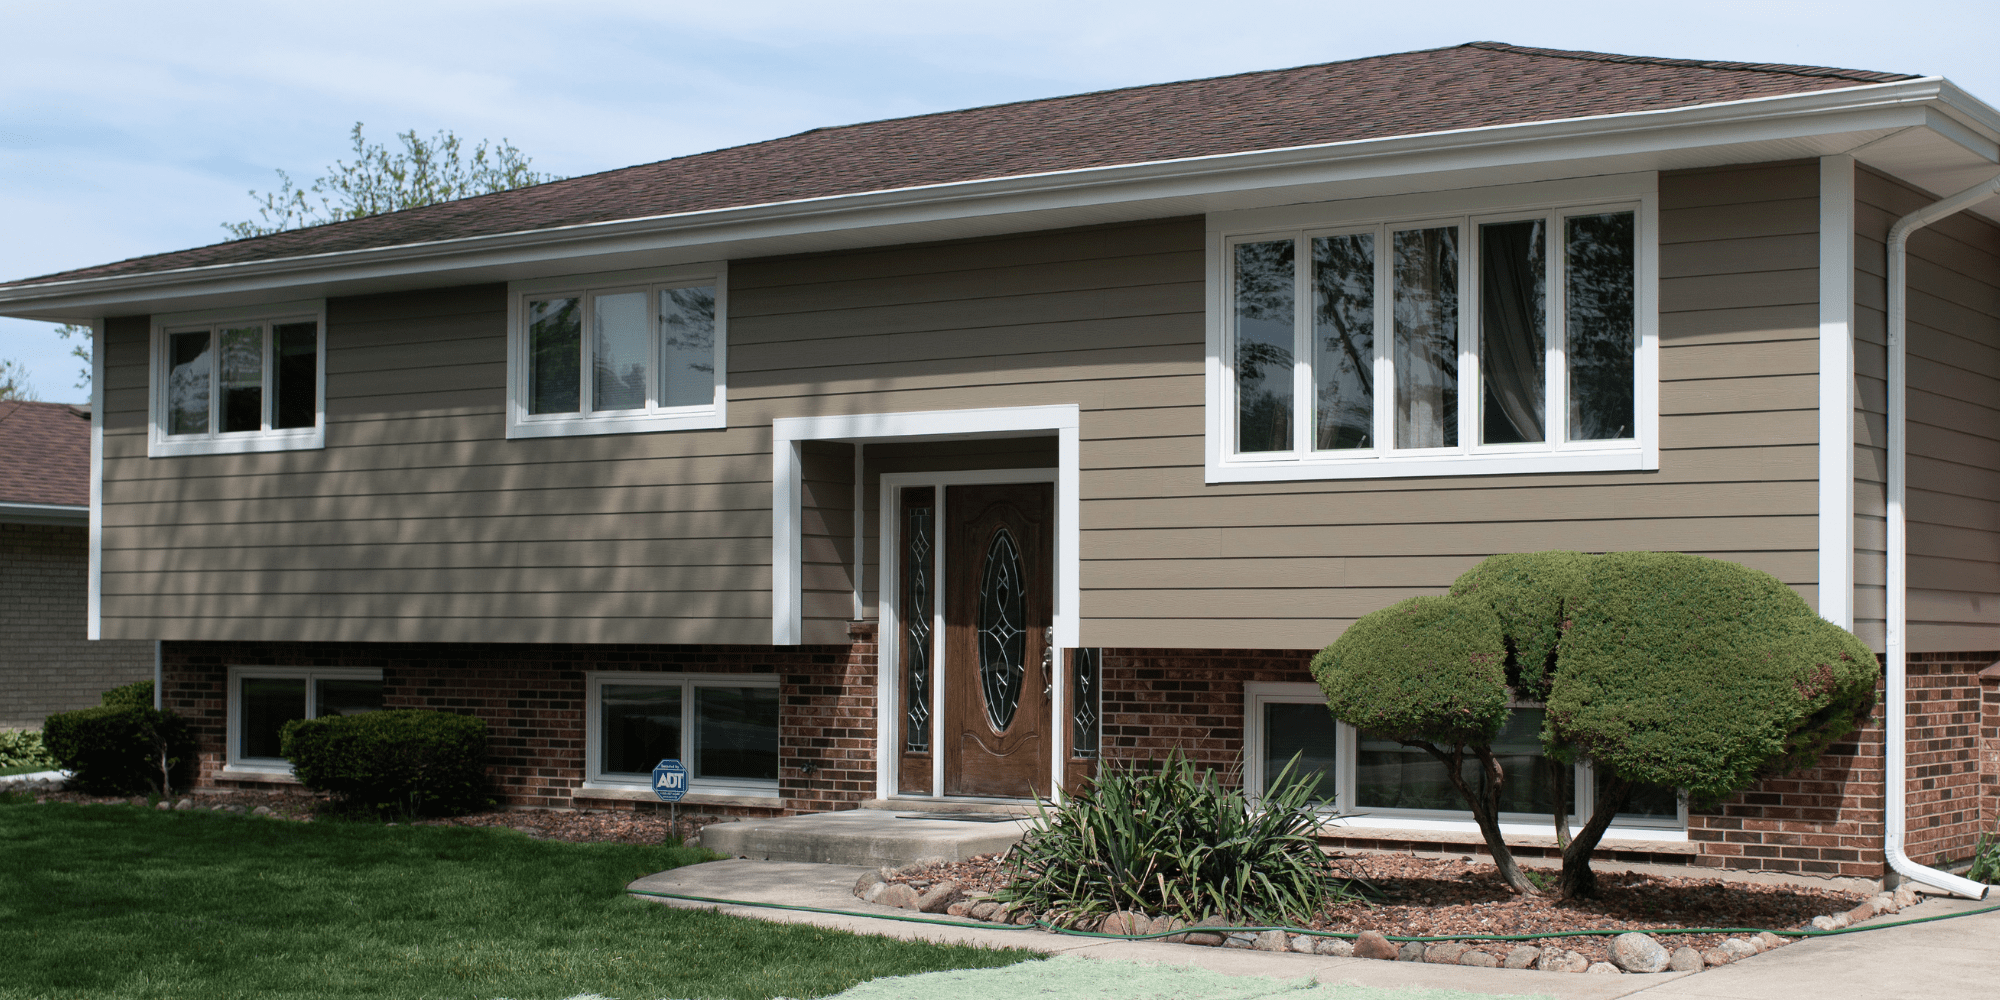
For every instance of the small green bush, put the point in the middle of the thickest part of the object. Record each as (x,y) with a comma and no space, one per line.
(119,749)
(1985,860)
(138,694)
(400,762)
(1175,841)
(23,748)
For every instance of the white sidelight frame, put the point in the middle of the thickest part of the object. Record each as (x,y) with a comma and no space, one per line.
(1062,421)
(593,746)
(888,645)
(268,767)
(1347,744)
(587,287)
(1466,210)
(161,444)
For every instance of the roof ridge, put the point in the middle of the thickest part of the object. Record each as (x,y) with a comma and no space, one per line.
(1584,55)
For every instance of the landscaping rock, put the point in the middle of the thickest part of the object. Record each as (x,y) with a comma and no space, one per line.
(1716,956)
(165,806)
(1126,922)
(1767,941)
(1167,923)
(898,895)
(1372,944)
(1604,969)
(1208,938)
(874,892)
(983,910)
(1561,960)
(1304,944)
(1885,902)
(1865,911)
(1738,949)
(958,909)
(1445,952)
(937,897)
(1521,956)
(1240,939)
(867,881)
(1338,947)
(184,805)
(1480,959)
(1830,922)
(1270,941)
(263,811)
(1636,952)
(1412,951)
(1023,917)
(1685,960)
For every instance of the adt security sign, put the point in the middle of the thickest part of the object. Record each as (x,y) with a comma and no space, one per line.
(670,780)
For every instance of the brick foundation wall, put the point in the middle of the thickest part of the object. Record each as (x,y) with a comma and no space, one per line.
(46,663)
(1156,700)
(532,700)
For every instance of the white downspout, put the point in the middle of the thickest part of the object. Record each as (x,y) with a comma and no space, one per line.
(1895,776)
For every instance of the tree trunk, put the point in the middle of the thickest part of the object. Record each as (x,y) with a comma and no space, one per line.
(1485,803)
(1578,881)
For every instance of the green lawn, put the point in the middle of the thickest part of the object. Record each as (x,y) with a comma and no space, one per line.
(116,901)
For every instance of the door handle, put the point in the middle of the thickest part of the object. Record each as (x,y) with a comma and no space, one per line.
(1048,662)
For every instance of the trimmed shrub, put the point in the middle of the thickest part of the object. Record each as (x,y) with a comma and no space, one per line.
(1175,841)
(1528,592)
(1428,667)
(399,762)
(23,748)
(138,694)
(119,749)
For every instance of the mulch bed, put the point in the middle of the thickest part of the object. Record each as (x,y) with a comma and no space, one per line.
(1458,897)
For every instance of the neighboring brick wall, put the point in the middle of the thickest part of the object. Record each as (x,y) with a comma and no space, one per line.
(532,699)
(46,664)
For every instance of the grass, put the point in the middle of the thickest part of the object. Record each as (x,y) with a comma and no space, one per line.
(115,901)
(24,769)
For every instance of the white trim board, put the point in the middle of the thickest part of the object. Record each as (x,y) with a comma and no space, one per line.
(94,594)
(1062,420)
(1836,390)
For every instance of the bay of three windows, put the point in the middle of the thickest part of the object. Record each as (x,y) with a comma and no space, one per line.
(621,351)
(1480,335)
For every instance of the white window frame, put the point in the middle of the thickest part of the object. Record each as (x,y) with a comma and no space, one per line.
(161,444)
(235,761)
(522,424)
(593,753)
(1257,694)
(1637,193)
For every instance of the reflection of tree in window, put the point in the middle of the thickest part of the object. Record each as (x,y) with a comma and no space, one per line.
(188,378)
(1264,322)
(1426,345)
(618,352)
(243,378)
(1598,288)
(687,346)
(555,355)
(1344,340)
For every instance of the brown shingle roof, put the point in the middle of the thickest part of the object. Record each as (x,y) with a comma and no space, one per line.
(44,454)
(1466,86)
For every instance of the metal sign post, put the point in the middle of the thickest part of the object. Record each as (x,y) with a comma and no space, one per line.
(670,782)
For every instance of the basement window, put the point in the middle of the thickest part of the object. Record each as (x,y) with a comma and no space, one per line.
(722,727)
(263,699)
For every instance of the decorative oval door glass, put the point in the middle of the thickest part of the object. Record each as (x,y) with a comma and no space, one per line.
(1003,630)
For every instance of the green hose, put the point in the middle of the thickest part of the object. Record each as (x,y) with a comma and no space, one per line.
(1039,924)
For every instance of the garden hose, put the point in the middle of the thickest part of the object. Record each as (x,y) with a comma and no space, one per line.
(1051,928)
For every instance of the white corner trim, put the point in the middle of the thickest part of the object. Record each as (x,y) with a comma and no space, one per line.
(1836,390)
(1064,419)
(94,599)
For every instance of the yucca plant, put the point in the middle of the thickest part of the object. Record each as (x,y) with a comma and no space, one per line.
(1175,841)
(1985,860)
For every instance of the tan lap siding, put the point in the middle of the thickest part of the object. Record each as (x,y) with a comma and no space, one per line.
(1954,429)
(419,521)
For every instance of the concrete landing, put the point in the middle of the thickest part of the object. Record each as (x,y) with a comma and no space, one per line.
(865,837)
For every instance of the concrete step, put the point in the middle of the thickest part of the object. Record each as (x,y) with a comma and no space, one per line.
(866,837)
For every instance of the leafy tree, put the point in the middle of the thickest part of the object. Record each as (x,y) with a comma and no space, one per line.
(14,384)
(423,172)
(1661,668)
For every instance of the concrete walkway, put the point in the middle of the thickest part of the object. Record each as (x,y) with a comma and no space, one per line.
(1947,960)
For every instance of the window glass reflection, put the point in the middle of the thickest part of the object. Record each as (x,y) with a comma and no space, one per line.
(189,371)
(736,732)
(1306,732)
(618,352)
(1425,270)
(687,346)
(1344,341)
(1599,323)
(269,703)
(555,356)
(1389,775)
(1513,307)
(1264,322)
(641,726)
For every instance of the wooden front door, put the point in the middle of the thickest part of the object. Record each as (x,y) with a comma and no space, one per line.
(999,605)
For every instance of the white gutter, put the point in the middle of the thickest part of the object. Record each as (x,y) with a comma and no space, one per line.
(1895,776)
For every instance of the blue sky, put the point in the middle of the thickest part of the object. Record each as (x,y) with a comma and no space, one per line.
(131,128)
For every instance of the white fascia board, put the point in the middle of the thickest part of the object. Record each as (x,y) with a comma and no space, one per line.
(43,513)
(1872,107)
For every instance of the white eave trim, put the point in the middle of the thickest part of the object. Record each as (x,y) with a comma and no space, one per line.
(1880,106)
(12,512)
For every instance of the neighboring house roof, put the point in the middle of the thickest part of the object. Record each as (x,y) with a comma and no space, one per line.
(1468,86)
(44,454)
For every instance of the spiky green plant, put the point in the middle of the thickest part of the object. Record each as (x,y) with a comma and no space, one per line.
(1175,841)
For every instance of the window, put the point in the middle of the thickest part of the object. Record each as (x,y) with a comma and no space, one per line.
(723,727)
(1486,338)
(1384,783)
(625,352)
(263,699)
(239,380)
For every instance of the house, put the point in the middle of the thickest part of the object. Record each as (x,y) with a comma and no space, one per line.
(47,664)
(942,459)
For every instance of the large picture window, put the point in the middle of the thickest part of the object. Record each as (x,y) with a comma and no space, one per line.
(626,352)
(1384,783)
(263,699)
(239,381)
(1492,340)
(722,727)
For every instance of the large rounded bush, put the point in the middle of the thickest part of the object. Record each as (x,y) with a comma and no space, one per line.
(398,762)
(1429,668)
(119,749)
